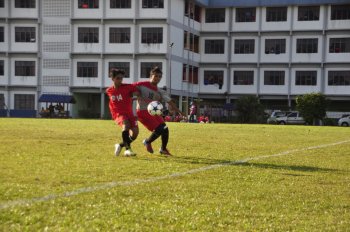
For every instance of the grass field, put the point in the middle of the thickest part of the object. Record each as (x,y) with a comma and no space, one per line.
(61,175)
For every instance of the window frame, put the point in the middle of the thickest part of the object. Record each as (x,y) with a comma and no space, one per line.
(213,77)
(119,35)
(308,13)
(272,44)
(152,35)
(25,4)
(146,67)
(276,14)
(214,46)
(87,69)
(150,4)
(88,35)
(245,14)
(340,12)
(215,15)
(88,4)
(275,78)
(24,101)
(307,45)
(25,34)
(339,45)
(335,78)
(120,4)
(120,65)
(305,78)
(24,68)
(243,77)
(242,45)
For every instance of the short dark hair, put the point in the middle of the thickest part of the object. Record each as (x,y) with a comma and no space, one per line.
(115,72)
(156,70)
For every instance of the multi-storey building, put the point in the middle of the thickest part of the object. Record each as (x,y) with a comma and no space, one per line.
(213,50)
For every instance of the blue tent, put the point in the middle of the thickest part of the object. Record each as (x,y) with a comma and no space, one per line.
(57,98)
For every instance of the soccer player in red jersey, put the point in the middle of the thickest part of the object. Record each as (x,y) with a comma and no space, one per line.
(120,106)
(148,91)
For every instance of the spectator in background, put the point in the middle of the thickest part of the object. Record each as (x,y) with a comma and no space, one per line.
(193,112)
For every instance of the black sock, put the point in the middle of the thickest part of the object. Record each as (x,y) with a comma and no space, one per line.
(126,139)
(156,133)
(165,138)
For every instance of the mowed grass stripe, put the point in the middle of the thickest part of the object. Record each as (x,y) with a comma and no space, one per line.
(113,184)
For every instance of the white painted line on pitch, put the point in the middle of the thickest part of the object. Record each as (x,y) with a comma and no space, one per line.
(27,202)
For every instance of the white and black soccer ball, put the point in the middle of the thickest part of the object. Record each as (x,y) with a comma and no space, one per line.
(155,108)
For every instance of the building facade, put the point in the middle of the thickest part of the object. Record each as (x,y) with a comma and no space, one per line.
(210,51)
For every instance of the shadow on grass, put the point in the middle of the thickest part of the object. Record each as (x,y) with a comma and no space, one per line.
(287,167)
(208,161)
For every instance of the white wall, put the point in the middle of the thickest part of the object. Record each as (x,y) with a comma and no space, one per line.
(107,81)
(12,98)
(4,46)
(245,26)
(4,78)
(215,26)
(153,48)
(121,13)
(88,13)
(150,13)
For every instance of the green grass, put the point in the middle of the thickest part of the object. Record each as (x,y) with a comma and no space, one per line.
(305,190)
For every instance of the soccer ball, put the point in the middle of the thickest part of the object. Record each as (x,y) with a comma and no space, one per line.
(155,108)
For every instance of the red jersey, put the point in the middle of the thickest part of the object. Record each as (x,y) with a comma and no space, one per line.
(120,100)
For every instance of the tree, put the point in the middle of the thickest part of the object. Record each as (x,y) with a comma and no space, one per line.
(312,106)
(249,110)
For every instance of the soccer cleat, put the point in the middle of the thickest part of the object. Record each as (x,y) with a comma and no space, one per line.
(118,149)
(148,146)
(129,152)
(164,152)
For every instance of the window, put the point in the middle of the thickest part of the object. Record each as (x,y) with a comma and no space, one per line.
(2,35)
(192,11)
(120,65)
(2,64)
(275,46)
(192,74)
(276,14)
(338,78)
(245,14)
(339,45)
(88,35)
(307,45)
(340,12)
(191,42)
(152,3)
(215,46)
(244,46)
(2,101)
(146,68)
(2,4)
(243,78)
(215,15)
(308,13)
(25,68)
(25,34)
(24,3)
(120,4)
(119,35)
(305,77)
(273,77)
(215,78)
(152,35)
(24,101)
(87,69)
(88,4)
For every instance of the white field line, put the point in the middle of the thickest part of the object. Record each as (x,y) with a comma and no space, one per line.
(109,185)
